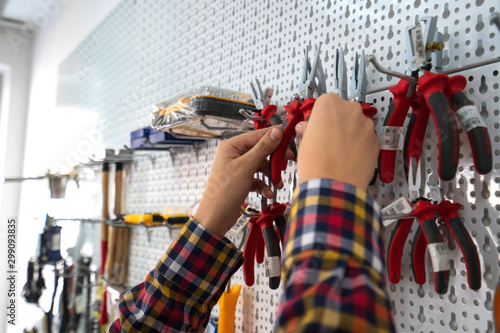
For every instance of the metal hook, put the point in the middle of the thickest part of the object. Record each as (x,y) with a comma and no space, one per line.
(371,58)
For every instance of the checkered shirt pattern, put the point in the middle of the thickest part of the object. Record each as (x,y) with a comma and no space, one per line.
(179,294)
(334,265)
(333,270)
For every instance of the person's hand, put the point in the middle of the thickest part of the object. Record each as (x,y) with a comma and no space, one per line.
(340,143)
(232,177)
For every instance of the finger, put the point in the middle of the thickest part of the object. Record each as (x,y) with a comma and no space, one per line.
(259,187)
(244,142)
(289,155)
(262,148)
(300,128)
(264,168)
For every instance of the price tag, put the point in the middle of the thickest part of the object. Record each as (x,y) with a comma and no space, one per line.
(272,266)
(417,39)
(439,257)
(240,224)
(392,138)
(400,206)
(79,304)
(470,118)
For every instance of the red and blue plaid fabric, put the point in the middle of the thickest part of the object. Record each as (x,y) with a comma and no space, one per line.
(333,270)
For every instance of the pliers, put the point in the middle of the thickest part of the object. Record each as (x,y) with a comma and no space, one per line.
(427,235)
(448,211)
(299,109)
(431,88)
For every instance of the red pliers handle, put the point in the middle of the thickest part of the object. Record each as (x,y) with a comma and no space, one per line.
(471,120)
(449,212)
(430,236)
(432,87)
(398,109)
(277,159)
(395,248)
(278,209)
(253,252)
(265,220)
(415,132)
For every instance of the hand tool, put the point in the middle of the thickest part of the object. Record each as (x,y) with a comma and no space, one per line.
(431,88)
(471,120)
(273,267)
(227,309)
(298,109)
(495,19)
(254,249)
(268,111)
(359,84)
(432,239)
(449,212)
(101,289)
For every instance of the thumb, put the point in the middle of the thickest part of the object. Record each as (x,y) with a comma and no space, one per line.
(262,149)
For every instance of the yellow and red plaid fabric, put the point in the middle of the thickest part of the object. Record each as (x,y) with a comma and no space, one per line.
(333,268)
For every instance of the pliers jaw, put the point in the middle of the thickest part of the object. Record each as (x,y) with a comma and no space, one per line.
(358,80)
(340,81)
(260,98)
(416,176)
(308,87)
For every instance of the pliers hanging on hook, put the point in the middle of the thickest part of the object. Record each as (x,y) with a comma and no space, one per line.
(311,86)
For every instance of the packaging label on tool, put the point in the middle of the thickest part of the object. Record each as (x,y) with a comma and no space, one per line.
(470,118)
(417,39)
(272,266)
(439,257)
(400,206)
(392,138)
(240,224)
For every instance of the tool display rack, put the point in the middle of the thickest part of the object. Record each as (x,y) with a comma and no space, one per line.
(147,51)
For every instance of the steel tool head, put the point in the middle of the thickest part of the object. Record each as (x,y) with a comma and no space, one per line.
(308,87)
(358,80)
(416,176)
(424,45)
(435,189)
(257,95)
(340,81)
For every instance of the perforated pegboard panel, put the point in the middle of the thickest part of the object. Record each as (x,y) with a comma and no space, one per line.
(143,53)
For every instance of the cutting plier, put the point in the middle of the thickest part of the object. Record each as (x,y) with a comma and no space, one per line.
(427,236)
(253,251)
(448,211)
(431,87)
(311,86)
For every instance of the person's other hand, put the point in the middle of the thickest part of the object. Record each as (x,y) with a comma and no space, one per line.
(232,177)
(340,143)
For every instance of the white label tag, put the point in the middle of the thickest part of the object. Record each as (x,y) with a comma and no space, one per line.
(272,266)
(417,38)
(400,206)
(240,224)
(392,138)
(439,257)
(470,118)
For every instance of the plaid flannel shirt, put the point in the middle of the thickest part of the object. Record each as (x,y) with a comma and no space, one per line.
(332,268)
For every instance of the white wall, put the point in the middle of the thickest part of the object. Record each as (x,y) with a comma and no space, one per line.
(70,22)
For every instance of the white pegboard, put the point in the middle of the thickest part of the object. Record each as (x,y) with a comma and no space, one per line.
(147,51)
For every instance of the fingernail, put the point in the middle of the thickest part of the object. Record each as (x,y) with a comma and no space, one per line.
(298,128)
(275,134)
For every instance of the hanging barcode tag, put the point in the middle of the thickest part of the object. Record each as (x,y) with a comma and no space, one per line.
(417,38)
(392,138)
(439,257)
(272,266)
(79,304)
(240,224)
(400,206)
(470,118)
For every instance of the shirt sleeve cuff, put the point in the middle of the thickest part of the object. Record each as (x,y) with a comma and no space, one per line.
(331,215)
(198,262)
